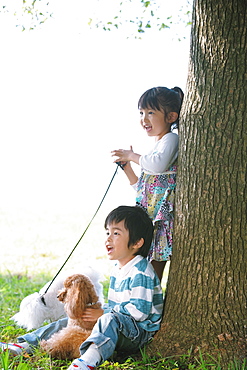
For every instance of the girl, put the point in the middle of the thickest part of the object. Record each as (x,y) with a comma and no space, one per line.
(159,112)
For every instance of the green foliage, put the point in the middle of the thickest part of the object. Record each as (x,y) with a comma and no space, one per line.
(30,15)
(134,17)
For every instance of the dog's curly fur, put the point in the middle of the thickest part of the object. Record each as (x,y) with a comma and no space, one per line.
(77,295)
(33,312)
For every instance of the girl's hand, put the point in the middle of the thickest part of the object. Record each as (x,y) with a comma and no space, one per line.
(92,314)
(123,155)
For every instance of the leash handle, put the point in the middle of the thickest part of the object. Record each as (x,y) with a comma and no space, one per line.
(42,297)
(121,164)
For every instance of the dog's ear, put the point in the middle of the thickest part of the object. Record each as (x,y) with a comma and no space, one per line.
(75,302)
(92,297)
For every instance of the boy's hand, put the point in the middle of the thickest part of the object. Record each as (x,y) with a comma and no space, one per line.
(92,314)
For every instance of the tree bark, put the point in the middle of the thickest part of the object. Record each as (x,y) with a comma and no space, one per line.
(205,306)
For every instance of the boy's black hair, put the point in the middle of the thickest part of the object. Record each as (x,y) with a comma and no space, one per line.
(137,222)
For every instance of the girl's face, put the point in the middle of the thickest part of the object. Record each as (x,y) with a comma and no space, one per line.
(154,122)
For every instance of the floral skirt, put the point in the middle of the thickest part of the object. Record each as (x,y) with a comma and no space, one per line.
(156,194)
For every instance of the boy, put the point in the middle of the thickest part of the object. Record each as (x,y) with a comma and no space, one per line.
(135,299)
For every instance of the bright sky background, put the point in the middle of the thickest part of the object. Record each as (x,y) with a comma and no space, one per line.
(68,97)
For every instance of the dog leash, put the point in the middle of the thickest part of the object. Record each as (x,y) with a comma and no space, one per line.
(119,164)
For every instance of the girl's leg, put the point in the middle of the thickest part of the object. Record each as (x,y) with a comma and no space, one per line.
(159,267)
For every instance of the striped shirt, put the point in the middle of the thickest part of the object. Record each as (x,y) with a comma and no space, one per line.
(135,291)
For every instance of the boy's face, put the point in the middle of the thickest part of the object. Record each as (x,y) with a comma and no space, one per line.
(117,244)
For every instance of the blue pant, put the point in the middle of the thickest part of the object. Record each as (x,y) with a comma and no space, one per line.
(45,332)
(113,331)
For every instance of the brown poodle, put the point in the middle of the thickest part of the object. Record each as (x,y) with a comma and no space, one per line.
(77,295)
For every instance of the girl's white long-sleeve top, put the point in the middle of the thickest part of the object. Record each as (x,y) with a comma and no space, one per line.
(164,153)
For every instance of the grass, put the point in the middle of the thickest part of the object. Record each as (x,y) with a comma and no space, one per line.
(13,288)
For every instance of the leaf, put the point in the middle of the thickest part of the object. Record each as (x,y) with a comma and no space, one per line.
(146,3)
(163,25)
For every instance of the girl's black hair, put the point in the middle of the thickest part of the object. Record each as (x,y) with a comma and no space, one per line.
(163,99)
(137,222)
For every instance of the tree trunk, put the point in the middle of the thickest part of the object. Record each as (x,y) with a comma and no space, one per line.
(205,305)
